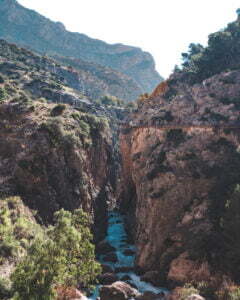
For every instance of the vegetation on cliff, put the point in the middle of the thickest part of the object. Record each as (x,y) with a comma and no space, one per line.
(221,54)
(41,259)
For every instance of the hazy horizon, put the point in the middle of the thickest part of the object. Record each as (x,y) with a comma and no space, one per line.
(155,27)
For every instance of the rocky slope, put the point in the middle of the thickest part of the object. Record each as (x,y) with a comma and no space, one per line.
(90,80)
(181,163)
(28,28)
(53,156)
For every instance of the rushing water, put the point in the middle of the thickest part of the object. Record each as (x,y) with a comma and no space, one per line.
(117,237)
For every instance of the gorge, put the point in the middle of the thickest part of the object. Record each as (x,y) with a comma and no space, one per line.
(154,185)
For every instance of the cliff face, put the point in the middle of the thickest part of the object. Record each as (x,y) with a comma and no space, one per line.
(53,162)
(28,28)
(54,156)
(180,154)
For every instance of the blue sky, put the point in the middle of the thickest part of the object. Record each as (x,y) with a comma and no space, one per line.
(164,28)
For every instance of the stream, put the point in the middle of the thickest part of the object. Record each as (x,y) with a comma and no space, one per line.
(117,238)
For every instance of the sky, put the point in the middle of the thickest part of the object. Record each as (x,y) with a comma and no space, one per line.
(164,28)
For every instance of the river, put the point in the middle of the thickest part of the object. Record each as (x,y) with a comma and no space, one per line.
(117,238)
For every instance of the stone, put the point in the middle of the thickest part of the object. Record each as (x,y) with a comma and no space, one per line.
(112,257)
(104,247)
(195,297)
(69,294)
(151,296)
(151,277)
(118,291)
(107,278)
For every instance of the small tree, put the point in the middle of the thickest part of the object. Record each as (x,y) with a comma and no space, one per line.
(65,259)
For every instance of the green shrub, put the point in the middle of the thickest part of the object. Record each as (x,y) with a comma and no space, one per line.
(1,79)
(58,110)
(221,54)
(110,101)
(175,136)
(5,289)
(3,94)
(65,258)
(187,290)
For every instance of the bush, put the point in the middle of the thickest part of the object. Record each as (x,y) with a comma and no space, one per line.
(110,100)
(175,136)
(1,79)
(58,110)
(187,290)
(221,54)
(65,258)
(3,94)
(5,288)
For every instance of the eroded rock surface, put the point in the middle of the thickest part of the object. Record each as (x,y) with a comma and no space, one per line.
(181,161)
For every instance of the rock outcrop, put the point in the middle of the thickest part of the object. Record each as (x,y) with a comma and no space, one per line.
(54,156)
(118,291)
(46,36)
(181,162)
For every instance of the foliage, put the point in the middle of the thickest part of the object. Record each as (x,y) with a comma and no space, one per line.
(3,94)
(65,258)
(58,110)
(5,288)
(16,230)
(141,99)
(230,226)
(221,54)
(110,101)
(187,290)
(1,79)
(175,136)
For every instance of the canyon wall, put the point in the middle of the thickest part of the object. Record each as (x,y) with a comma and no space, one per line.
(180,153)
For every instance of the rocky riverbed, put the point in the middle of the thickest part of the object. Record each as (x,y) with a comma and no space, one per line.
(120,280)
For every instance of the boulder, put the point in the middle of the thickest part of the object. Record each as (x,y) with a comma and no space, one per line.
(104,247)
(177,292)
(112,257)
(69,293)
(151,277)
(195,297)
(107,278)
(118,291)
(151,296)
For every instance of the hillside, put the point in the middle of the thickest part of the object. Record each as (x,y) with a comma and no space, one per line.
(28,28)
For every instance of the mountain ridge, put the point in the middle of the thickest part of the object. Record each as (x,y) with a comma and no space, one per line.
(28,28)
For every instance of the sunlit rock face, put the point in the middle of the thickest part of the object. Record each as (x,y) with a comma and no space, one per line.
(180,156)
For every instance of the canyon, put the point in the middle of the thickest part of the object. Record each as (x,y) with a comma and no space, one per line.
(159,180)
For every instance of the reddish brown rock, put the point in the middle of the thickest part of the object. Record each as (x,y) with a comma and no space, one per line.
(64,293)
(180,152)
(118,291)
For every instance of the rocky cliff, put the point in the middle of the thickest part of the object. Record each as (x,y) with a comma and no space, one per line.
(28,28)
(54,156)
(181,162)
